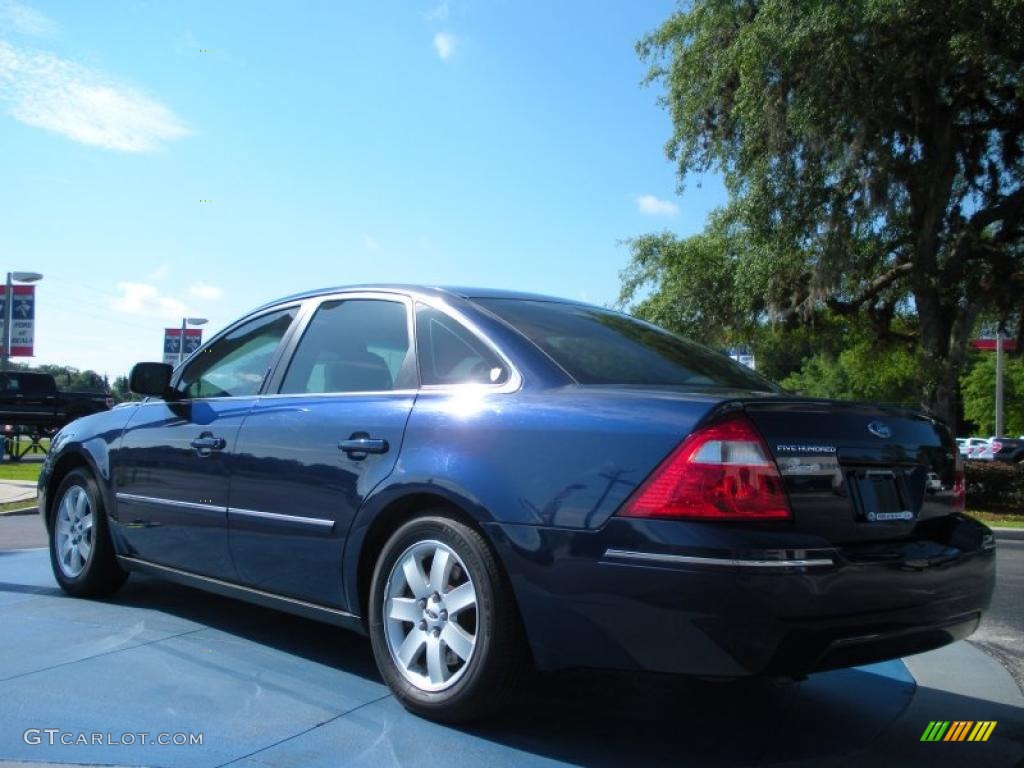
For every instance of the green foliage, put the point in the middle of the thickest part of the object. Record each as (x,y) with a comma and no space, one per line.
(70,378)
(120,390)
(979,394)
(696,283)
(861,371)
(874,155)
(20,470)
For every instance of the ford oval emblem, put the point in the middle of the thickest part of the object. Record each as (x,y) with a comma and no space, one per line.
(879,429)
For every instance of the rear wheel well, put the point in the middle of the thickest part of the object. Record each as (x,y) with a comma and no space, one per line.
(389,520)
(64,465)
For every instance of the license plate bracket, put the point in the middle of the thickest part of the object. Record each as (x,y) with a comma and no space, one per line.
(878,496)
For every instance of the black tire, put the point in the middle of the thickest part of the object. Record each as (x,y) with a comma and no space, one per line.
(498,665)
(100,575)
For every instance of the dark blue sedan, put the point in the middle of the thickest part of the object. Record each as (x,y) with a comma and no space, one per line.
(487,483)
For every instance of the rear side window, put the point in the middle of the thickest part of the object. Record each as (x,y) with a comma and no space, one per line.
(353,345)
(597,346)
(449,353)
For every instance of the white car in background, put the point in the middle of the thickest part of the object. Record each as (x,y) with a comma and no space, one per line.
(971,447)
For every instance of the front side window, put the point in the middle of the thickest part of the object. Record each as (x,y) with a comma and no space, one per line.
(353,345)
(597,346)
(236,363)
(449,353)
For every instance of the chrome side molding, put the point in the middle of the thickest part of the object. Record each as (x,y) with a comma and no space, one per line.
(134,498)
(726,562)
(317,522)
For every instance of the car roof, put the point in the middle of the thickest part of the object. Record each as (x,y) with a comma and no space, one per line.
(428,290)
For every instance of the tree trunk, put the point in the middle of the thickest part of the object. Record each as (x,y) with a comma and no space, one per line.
(945,333)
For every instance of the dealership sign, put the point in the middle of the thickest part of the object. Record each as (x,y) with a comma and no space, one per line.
(172,343)
(23,328)
(989,345)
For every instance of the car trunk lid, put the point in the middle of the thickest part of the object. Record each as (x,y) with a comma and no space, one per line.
(856,472)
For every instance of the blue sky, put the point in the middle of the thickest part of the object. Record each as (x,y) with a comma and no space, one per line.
(493,143)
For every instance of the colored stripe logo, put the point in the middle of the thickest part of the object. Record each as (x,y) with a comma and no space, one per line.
(958,730)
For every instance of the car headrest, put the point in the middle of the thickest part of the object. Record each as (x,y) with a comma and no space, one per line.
(359,371)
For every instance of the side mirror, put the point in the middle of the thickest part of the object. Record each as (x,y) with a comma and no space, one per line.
(152,379)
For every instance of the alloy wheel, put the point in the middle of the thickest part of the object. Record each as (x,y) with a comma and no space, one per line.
(430,615)
(73,533)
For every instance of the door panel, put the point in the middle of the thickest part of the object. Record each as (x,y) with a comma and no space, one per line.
(308,456)
(294,492)
(172,497)
(172,470)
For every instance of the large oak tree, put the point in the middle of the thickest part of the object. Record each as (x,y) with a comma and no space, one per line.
(873,151)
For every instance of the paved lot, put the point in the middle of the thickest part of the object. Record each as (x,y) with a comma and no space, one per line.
(267,689)
(1002,630)
(21,532)
(17,490)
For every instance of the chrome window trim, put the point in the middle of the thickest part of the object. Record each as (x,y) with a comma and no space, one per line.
(139,499)
(277,376)
(451,389)
(727,562)
(513,384)
(282,346)
(515,379)
(318,522)
(305,310)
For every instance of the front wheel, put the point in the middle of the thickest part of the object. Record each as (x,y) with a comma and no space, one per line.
(81,552)
(444,627)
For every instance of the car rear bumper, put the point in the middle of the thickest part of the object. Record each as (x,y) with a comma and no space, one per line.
(704,599)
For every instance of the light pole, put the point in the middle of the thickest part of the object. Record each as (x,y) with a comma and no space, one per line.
(12,277)
(999,381)
(181,337)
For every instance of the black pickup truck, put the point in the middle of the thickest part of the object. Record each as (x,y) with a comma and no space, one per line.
(32,400)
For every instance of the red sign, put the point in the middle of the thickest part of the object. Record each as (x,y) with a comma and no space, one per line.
(989,345)
(23,313)
(193,338)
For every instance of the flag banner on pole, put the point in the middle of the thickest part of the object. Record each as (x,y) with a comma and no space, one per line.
(23,329)
(172,338)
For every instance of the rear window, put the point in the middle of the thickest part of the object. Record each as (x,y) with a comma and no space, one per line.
(597,346)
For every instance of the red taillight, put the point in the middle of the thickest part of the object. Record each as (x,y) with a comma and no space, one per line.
(959,501)
(109,402)
(720,472)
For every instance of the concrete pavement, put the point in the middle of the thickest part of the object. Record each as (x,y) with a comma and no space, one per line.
(1001,634)
(267,689)
(17,490)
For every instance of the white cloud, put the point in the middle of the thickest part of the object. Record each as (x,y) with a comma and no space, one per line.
(25,20)
(370,242)
(60,96)
(160,273)
(437,13)
(205,291)
(654,206)
(145,299)
(445,45)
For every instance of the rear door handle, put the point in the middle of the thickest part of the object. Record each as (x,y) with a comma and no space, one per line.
(360,445)
(206,443)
